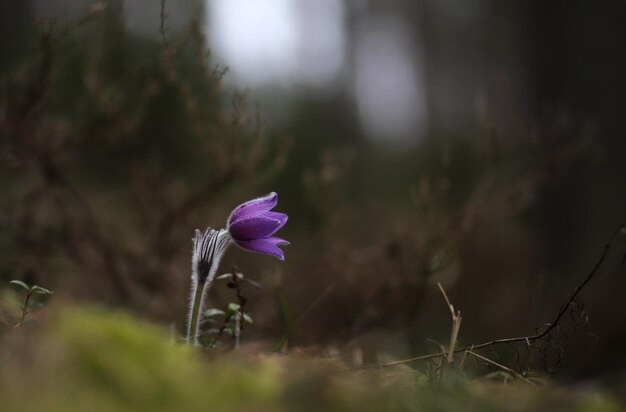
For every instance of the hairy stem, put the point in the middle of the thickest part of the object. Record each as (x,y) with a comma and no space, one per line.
(208,250)
(194,307)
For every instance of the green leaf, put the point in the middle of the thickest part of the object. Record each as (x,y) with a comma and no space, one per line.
(20,284)
(247,318)
(233,308)
(41,291)
(35,304)
(213,312)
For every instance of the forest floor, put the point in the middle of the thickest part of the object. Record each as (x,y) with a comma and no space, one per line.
(86,359)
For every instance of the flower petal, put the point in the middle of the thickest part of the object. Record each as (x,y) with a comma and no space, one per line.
(281,217)
(253,208)
(254,228)
(269,246)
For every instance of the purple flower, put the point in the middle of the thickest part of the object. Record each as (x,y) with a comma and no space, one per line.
(252,224)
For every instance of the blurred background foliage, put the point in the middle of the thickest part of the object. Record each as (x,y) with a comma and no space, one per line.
(499,174)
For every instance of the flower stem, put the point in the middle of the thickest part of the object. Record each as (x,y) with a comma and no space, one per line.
(207,252)
(192,334)
(24,309)
(237,328)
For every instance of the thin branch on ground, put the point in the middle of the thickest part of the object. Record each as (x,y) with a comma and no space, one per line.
(498,365)
(529,340)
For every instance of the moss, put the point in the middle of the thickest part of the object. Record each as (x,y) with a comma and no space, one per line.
(88,359)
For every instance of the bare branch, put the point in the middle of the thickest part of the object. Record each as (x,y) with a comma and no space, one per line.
(456,326)
(496,364)
(528,340)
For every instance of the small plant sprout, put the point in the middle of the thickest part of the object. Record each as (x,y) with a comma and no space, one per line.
(234,317)
(29,302)
(250,226)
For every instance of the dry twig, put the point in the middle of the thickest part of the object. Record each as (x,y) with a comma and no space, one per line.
(456,325)
(528,340)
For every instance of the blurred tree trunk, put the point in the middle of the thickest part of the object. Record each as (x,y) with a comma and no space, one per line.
(15,32)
